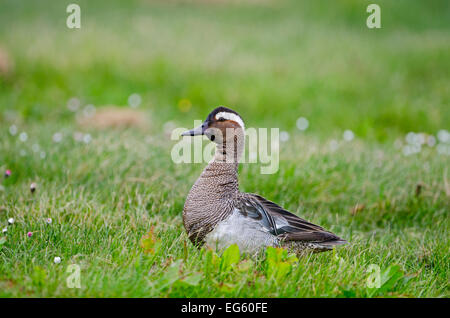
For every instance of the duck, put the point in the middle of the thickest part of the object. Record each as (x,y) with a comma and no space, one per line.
(216,214)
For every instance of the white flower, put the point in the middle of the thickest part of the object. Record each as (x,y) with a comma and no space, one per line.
(48,221)
(57,137)
(134,100)
(87,138)
(5,230)
(411,149)
(349,135)
(89,110)
(420,138)
(284,136)
(23,136)
(57,260)
(73,104)
(10,220)
(443,135)
(416,148)
(431,141)
(410,137)
(302,123)
(13,130)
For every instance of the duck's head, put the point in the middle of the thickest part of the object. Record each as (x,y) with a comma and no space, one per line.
(221,124)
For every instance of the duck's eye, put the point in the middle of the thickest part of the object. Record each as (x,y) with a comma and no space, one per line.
(221,119)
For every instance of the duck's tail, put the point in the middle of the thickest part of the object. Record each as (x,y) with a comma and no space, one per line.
(327,245)
(315,247)
(331,244)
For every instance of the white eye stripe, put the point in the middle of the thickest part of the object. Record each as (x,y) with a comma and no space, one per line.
(230,116)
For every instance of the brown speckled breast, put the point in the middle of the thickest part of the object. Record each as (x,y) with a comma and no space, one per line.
(210,200)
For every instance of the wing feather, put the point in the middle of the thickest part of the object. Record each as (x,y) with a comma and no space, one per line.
(289,226)
(252,208)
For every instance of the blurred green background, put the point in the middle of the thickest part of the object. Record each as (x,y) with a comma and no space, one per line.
(270,60)
(105,176)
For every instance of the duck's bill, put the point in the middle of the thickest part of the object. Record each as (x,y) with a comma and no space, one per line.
(200,130)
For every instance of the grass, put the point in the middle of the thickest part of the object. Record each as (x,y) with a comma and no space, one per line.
(273,62)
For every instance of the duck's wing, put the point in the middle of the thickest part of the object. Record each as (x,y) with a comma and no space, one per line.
(250,206)
(287,225)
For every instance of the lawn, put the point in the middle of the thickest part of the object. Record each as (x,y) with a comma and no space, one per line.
(115,196)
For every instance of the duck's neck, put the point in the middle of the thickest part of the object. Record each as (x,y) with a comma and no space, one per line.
(221,174)
(231,150)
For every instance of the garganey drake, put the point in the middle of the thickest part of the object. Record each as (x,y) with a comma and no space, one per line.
(217,214)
